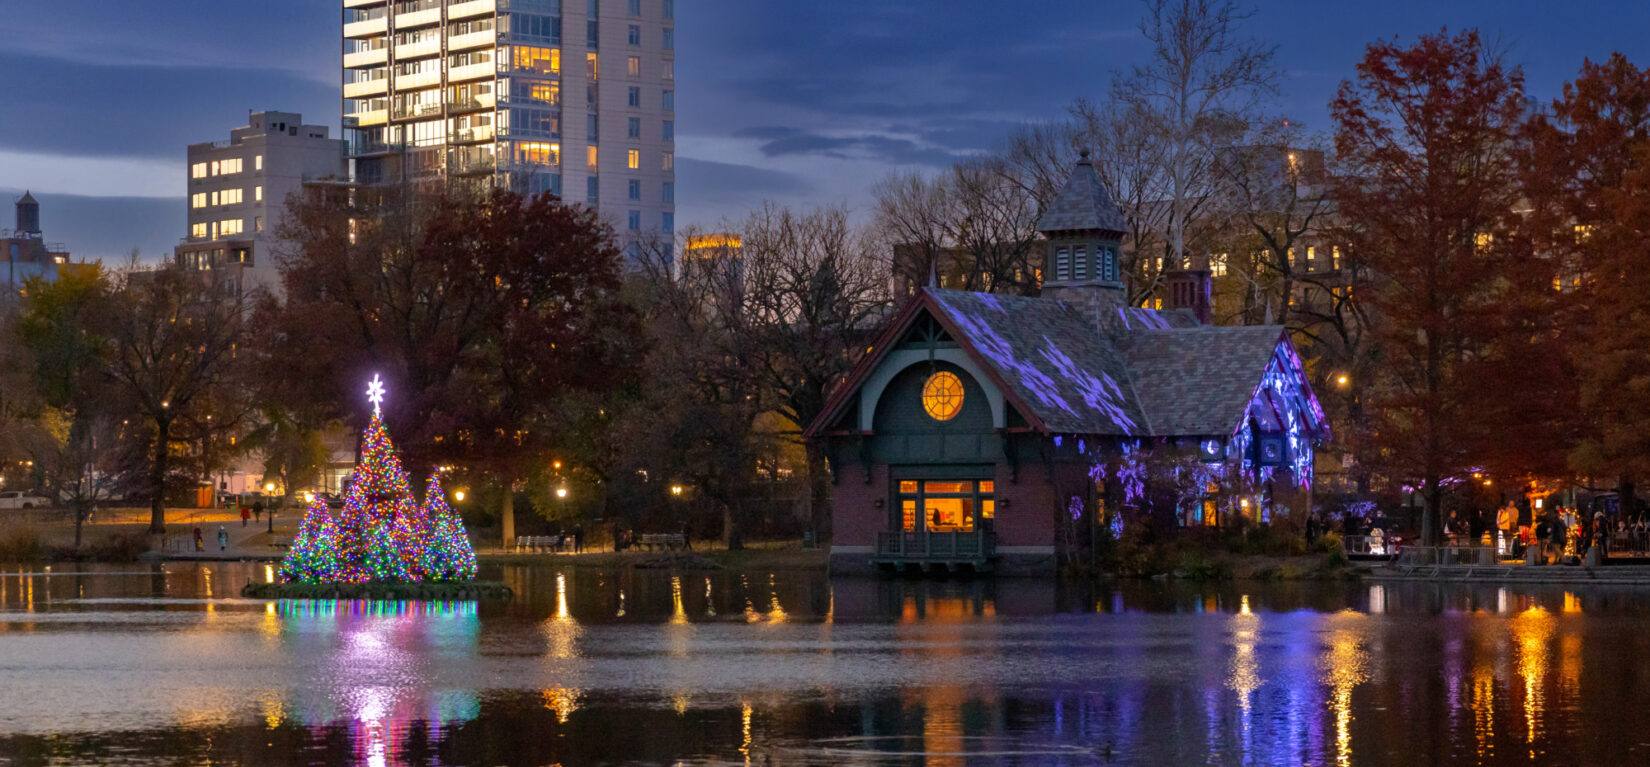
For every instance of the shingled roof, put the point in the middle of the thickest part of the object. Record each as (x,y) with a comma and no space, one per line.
(1055,363)
(1198,381)
(1083,205)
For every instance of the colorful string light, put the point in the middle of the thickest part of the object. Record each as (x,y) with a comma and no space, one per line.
(382,534)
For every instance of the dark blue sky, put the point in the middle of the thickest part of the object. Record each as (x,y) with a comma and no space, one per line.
(801,102)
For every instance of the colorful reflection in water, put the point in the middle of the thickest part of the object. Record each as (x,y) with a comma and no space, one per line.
(637,667)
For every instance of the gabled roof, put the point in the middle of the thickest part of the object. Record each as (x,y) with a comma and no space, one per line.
(1066,374)
(1083,205)
(1154,376)
(1198,381)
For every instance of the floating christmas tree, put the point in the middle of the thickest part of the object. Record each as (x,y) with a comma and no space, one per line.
(450,555)
(382,534)
(314,557)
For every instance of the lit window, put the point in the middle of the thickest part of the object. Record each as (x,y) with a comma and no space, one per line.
(669,161)
(1583,231)
(1217,265)
(231,196)
(590,157)
(214,167)
(1311,255)
(197,200)
(197,231)
(213,199)
(634,159)
(530,153)
(258,193)
(1335,257)
(591,69)
(258,162)
(198,170)
(258,223)
(539,60)
(942,396)
(230,226)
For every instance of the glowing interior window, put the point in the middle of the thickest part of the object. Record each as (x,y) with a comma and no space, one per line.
(942,396)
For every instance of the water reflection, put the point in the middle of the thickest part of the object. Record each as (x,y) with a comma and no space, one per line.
(644,667)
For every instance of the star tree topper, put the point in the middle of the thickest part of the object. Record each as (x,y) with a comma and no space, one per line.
(375,393)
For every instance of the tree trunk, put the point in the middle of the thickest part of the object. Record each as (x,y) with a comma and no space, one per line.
(1431,522)
(819,490)
(730,528)
(79,518)
(507,514)
(157,477)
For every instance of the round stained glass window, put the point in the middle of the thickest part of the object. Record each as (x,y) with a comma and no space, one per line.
(942,396)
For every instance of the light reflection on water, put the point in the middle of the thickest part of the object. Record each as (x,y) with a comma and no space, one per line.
(760,667)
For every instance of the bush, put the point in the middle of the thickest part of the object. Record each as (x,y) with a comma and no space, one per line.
(21,544)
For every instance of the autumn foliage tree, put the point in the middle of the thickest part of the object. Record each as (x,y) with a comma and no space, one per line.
(1429,134)
(1589,188)
(481,311)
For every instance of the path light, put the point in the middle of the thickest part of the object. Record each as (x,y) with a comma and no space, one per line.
(269,487)
(458,495)
(561,492)
(1342,380)
(675,489)
(555,465)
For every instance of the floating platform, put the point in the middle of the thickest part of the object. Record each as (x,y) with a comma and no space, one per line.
(431,592)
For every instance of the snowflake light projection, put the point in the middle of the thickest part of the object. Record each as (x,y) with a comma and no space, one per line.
(382,534)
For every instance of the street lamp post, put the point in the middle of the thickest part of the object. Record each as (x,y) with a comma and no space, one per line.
(269,489)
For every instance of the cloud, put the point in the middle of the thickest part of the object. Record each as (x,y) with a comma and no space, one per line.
(778,141)
(710,182)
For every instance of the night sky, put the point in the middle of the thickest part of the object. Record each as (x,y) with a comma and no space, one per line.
(800,102)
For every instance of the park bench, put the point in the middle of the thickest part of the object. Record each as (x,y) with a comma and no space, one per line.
(546,543)
(654,541)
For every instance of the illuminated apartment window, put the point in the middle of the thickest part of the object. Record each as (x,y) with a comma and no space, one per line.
(1217,265)
(633,159)
(1583,231)
(212,199)
(633,66)
(198,170)
(230,226)
(669,161)
(591,69)
(258,223)
(544,61)
(230,167)
(214,167)
(1335,257)
(532,153)
(258,193)
(197,200)
(197,231)
(590,157)
(258,162)
(1311,256)
(231,196)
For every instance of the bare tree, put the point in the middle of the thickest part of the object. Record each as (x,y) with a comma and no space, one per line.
(1195,94)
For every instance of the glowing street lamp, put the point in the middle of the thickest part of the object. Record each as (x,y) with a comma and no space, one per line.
(458,495)
(309,497)
(269,489)
(561,493)
(675,489)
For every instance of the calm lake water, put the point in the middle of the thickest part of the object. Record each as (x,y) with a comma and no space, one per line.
(165,665)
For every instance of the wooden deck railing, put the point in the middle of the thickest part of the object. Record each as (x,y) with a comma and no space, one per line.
(910,545)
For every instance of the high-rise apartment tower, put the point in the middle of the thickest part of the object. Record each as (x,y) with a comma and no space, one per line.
(575,97)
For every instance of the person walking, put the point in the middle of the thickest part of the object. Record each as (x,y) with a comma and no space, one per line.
(245,516)
(1506,518)
(258,510)
(223,538)
(200,545)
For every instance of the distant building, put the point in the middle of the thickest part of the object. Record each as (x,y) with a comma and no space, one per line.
(573,98)
(237,192)
(24,251)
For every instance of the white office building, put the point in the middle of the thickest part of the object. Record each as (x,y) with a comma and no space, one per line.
(237,192)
